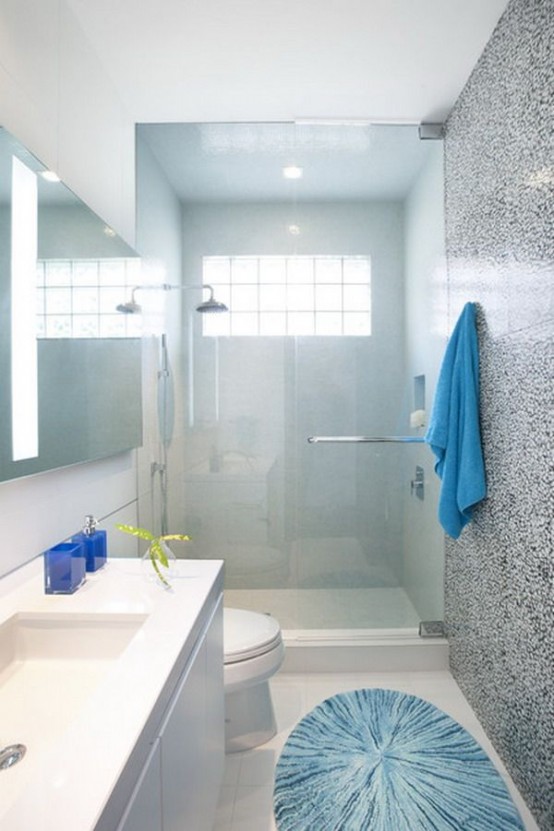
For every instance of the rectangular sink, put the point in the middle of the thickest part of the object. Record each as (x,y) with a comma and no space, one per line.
(48,637)
(49,665)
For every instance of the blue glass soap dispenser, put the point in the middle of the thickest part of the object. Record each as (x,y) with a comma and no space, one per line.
(94,542)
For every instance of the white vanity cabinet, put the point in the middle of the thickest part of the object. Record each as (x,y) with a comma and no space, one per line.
(129,736)
(178,787)
(192,739)
(144,812)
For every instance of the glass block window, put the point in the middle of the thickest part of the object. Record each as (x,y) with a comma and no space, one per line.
(303,295)
(78,298)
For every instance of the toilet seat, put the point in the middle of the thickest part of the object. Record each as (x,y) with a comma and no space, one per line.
(243,674)
(253,652)
(248,635)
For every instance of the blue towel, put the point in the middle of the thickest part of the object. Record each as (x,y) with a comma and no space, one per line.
(453,432)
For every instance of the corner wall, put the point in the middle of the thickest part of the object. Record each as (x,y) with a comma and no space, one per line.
(500,247)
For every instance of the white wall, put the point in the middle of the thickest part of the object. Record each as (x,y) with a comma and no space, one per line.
(246,60)
(39,511)
(56,98)
(425,278)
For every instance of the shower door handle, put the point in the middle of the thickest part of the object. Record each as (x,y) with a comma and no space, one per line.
(362,439)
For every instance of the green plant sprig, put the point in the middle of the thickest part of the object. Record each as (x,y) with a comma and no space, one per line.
(157,554)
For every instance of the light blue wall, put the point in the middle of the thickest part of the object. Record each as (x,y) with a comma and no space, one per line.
(425,315)
(290,388)
(337,228)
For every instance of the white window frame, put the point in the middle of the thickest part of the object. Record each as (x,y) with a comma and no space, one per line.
(306,295)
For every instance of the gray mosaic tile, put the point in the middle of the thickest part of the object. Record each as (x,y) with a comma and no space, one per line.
(500,246)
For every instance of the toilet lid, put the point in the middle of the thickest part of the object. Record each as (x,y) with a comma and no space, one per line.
(248,634)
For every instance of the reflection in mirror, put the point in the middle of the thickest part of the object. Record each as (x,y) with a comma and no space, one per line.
(75,270)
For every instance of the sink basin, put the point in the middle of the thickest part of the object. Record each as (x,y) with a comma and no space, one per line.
(49,665)
(30,637)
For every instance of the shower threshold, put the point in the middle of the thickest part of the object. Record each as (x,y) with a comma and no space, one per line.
(363,650)
(351,636)
(346,630)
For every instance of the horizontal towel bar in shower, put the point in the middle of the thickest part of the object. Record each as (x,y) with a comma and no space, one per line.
(360,439)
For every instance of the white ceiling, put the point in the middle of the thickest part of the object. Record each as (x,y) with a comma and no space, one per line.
(244,162)
(277,60)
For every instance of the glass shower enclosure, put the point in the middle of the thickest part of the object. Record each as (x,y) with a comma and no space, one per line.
(321,269)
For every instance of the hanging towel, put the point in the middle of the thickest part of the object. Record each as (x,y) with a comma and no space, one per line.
(453,432)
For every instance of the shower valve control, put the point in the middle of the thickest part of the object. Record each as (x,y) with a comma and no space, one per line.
(417,485)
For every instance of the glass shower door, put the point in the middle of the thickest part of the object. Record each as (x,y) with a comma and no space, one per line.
(317,341)
(316,534)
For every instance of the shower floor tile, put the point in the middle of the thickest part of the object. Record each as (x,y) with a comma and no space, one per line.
(246,798)
(382,608)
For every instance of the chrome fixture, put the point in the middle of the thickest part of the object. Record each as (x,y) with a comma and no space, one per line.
(130,307)
(432,629)
(209,306)
(11,755)
(431,132)
(417,484)
(360,439)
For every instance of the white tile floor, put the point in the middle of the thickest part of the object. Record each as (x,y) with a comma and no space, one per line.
(246,796)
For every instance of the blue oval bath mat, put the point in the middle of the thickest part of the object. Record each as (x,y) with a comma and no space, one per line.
(382,760)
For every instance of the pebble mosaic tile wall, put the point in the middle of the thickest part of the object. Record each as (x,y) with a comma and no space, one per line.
(500,242)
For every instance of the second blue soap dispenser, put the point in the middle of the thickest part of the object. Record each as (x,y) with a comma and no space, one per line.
(94,542)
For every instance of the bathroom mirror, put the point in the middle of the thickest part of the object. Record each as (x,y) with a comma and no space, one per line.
(84,370)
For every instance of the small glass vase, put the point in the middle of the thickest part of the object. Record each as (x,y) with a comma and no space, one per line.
(159,567)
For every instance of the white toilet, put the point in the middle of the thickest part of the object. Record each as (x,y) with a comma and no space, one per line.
(254,651)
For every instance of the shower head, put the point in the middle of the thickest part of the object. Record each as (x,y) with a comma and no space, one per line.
(211,305)
(129,308)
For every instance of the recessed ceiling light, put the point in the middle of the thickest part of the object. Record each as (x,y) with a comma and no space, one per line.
(109,231)
(291,171)
(50,176)
(294,230)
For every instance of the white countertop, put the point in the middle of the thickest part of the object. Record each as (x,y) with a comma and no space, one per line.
(65,784)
